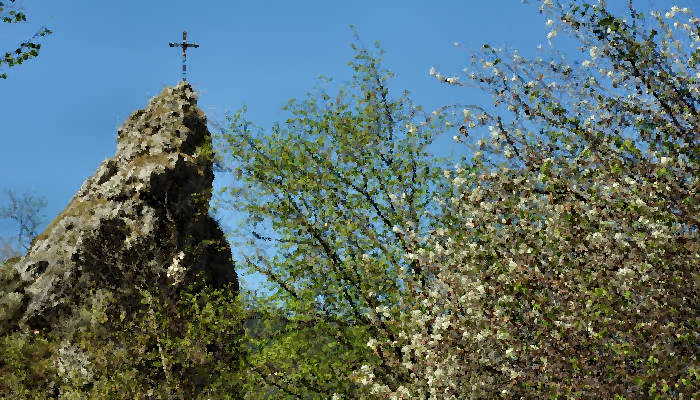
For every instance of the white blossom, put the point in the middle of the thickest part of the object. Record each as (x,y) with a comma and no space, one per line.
(175,271)
(372,343)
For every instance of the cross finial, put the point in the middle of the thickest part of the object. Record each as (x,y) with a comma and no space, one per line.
(184,46)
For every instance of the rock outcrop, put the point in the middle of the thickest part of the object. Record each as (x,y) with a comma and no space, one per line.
(141,221)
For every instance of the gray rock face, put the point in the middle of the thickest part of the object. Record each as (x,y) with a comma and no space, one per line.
(141,221)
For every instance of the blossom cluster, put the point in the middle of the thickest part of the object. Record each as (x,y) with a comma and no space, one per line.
(176,272)
(573,257)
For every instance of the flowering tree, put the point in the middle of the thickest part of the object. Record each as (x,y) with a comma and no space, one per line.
(568,263)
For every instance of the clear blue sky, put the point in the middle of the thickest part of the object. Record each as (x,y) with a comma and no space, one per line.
(59,112)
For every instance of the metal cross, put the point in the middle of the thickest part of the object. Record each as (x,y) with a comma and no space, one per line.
(184,46)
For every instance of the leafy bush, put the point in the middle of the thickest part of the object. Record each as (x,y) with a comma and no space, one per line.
(188,348)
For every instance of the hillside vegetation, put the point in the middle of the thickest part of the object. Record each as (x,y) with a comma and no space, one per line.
(557,259)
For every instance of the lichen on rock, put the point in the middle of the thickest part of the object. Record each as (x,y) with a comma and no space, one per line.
(145,207)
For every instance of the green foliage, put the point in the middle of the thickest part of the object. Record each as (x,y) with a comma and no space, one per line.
(27,49)
(25,365)
(322,193)
(189,348)
(206,151)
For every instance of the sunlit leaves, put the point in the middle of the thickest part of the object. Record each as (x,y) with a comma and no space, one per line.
(324,192)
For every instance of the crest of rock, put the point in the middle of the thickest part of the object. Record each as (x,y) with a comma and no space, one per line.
(141,221)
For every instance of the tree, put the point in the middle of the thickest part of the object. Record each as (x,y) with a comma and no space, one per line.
(7,249)
(568,266)
(25,211)
(27,49)
(324,194)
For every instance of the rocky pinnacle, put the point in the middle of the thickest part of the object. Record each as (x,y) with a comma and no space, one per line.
(141,221)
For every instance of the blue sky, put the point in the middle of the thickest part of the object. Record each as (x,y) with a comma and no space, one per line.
(105,59)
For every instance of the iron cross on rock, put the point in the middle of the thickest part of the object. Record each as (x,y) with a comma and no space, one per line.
(184,46)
